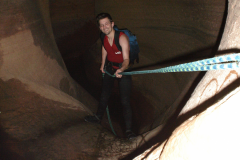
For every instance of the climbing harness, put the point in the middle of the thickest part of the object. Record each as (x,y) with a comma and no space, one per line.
(231,61)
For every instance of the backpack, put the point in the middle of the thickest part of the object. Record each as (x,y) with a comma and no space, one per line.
(134,48)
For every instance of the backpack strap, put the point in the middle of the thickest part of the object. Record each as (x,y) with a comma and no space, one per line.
(116,38)
(102,36)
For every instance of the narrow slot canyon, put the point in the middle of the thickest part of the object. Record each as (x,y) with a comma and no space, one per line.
(50,79)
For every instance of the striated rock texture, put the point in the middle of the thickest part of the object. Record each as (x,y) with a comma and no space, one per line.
(37,95)
(74,26)
(169,33)
(42,106)
(208,123)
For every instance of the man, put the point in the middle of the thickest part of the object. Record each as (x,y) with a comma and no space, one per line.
(114,62)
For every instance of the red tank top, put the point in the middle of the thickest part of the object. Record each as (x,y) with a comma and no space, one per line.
(113,54)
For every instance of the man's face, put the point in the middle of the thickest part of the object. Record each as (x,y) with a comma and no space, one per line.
(106,26)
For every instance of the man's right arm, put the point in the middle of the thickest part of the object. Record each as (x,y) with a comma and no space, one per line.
(104,56)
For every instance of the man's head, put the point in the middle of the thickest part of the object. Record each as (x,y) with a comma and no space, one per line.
(105,23)
(102,16)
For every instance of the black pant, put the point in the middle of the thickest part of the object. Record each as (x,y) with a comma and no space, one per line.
(125,84)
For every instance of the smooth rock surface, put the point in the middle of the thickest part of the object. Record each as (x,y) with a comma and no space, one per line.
(207,125)
(49,47)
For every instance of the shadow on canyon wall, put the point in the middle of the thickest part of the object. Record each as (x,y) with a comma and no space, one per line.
(177,120)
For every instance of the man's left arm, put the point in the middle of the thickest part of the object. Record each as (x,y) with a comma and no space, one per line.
(124,43)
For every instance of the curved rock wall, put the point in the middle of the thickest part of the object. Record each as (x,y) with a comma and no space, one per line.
(37,95)
(208,124)
(73,24)
(169,33)
(42,107)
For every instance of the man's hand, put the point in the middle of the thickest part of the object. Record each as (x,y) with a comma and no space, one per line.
(102,69)
(118,75)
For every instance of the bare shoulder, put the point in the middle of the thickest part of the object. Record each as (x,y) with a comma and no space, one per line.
(123,39)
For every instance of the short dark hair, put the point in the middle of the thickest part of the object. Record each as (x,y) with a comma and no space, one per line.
(102,16)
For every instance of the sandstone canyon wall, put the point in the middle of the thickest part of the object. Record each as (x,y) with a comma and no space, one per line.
(169,33)
(37,95)
(208,124)
(42,105)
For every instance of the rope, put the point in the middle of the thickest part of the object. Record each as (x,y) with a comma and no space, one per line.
(217,63)
(231,61)
(109,120)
